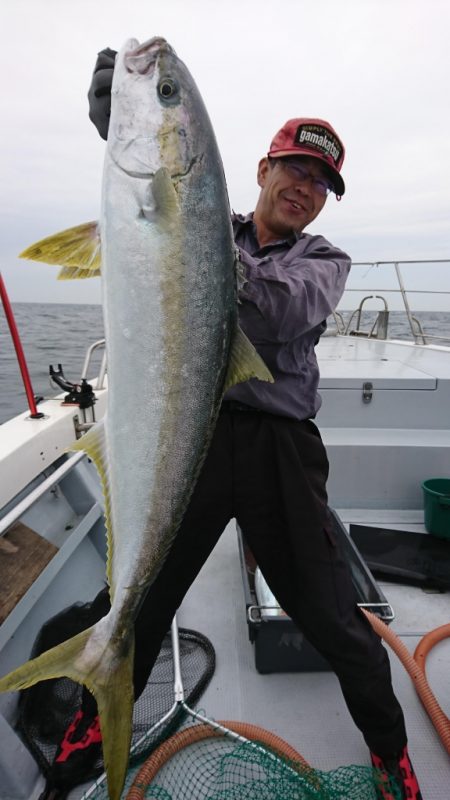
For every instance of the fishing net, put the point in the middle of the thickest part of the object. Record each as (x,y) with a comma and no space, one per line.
(162,766)
(46,710)
(221,769)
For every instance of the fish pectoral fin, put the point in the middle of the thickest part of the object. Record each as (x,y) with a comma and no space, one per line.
(245,362)
(165,198)
(108,677)
(77,250)
(94,444)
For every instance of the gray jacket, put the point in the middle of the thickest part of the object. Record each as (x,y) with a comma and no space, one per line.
(292,287)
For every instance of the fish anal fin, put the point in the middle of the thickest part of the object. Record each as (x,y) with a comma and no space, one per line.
(245,362)
(77,250)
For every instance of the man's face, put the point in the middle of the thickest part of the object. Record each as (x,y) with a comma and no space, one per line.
(288,200)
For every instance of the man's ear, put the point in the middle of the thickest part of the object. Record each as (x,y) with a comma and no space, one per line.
(263,168)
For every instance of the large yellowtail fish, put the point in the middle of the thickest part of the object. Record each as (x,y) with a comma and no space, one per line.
(165,248)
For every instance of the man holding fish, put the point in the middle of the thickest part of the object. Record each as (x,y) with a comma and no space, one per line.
(210,401)
(266,464)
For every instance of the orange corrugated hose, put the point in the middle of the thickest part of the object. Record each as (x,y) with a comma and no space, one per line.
(197,733)
(415,665)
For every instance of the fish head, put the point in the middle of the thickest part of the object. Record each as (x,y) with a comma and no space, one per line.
(156,111)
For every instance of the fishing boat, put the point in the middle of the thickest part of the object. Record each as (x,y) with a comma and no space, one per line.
(385,422)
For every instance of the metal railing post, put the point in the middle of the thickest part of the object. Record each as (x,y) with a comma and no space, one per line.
(405,300)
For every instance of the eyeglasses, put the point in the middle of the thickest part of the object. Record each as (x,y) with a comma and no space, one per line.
(321,185)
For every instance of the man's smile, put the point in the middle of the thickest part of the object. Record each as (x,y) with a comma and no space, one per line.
(294,204)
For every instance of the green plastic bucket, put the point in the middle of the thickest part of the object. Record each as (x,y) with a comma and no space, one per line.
(436,493)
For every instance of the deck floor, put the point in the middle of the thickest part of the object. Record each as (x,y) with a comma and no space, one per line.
(307,709)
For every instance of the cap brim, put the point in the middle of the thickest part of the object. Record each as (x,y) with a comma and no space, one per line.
(334,175)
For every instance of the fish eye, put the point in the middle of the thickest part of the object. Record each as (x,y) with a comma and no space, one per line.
(167,89)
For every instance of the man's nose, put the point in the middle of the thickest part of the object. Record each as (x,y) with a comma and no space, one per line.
(304,185)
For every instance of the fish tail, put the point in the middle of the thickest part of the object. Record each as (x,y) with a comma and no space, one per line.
(108,674)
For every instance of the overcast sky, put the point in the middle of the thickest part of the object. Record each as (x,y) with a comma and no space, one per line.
(378,70)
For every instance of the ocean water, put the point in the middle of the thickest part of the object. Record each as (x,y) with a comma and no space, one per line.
(53,333)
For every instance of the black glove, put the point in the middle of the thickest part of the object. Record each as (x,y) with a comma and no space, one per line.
(99,95)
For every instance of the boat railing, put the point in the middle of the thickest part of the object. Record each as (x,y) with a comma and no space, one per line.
(87,361)
(379,328)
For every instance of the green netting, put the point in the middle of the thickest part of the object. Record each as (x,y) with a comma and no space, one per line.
(219,769)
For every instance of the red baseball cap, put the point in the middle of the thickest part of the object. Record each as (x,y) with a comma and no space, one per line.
(315,138)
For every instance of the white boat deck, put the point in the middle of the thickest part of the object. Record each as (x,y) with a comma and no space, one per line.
(307,709)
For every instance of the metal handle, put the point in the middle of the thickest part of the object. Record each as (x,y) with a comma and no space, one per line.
(370,607)
(378,606)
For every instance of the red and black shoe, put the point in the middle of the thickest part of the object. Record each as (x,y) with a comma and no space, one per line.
(396,773)
(78,755)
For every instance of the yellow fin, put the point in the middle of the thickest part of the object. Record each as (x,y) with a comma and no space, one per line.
(164,195)
(108,674)
(76,273)
(115,703)
(245,362)
(94,444)
(77,250)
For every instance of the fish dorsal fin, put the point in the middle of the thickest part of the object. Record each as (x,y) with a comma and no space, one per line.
(94,444)
(245,362)
(164,196)
(77,250)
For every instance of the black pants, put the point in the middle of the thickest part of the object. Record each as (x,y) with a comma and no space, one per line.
(270,474)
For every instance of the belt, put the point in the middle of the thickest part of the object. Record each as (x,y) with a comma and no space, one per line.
(233,405)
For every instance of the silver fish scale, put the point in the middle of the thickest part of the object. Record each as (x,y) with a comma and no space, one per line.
(170,312)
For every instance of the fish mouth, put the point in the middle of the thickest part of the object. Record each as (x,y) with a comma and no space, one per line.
(141,59)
